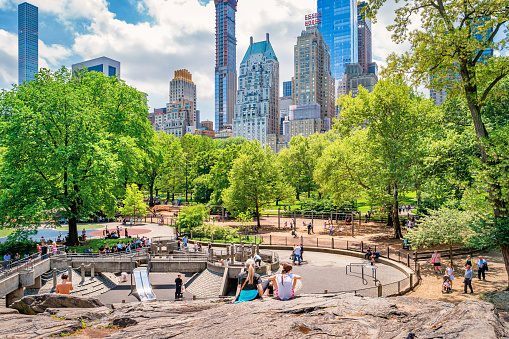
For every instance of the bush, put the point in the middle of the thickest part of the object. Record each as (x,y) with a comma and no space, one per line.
(18,242)
(193,216)
(220,231)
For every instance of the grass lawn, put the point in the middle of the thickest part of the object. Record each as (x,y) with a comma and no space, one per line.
(5,232)
(80,227)
(96,243)
(405,199)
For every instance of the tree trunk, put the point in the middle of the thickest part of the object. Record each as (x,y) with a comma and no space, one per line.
(151,199)
(157,192)
(297,194)
(505,254)
(390,223)
(395,214)
(257,217)
(172,196)
(73,232)
(168,195)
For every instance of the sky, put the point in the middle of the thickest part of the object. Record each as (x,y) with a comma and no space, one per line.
(153,38)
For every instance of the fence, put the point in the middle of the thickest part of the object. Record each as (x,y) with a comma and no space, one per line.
(12,267)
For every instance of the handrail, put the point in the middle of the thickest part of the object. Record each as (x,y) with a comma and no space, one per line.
(362,265)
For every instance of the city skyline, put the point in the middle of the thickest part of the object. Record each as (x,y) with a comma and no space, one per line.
(152,39)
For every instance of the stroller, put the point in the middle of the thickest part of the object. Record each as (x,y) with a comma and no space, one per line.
(446,286)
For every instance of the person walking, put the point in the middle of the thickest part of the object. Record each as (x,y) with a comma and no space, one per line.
(178,287)
(482,267)
(469,275)
(296,254)
(436,262)
(468,262)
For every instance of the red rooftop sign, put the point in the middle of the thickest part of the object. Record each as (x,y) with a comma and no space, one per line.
(313,19)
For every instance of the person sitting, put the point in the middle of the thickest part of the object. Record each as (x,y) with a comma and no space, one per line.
(101,250)
(284,283)
(258,260)
(446,286)
(375,255)
(368,253)
(250,284)
(65,287)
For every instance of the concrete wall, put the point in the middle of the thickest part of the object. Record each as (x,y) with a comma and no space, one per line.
(8,285)
(180,266)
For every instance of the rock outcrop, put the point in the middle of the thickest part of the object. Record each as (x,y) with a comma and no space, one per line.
(342,316)
(33,304)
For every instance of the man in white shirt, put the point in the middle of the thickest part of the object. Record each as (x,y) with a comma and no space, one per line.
(296,254)
(482,267)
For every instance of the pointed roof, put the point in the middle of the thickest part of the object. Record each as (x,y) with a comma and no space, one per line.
(260,47)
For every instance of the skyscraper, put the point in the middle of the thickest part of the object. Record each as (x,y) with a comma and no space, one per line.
(313,82)
(28,42)
(287,89)
(364,36)
(226,62)
(183,87)
(339,28)
(257,110)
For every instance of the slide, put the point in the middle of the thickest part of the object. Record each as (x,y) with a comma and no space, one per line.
(143,284)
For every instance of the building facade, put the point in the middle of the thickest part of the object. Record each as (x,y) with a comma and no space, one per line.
(226,62)
(302,120)
(364,38)
(287,89)
(183,87)
(339,28)
(28,42)
(206,129)
(313,82)
(284,111)
(257,109)
(354,77)
(107,66)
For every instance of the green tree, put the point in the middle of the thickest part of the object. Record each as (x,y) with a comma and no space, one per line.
(445,226)
(61,137)
(218,180)
(379,147)
(171,174)
(245,219)
(133,204)
(452,40)
(193,216)
(255,181)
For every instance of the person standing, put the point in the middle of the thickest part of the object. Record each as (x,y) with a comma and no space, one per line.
(469,275)
(482,267)
(436,261)
(450,272)
(178,287)
(65,287)
(469,262)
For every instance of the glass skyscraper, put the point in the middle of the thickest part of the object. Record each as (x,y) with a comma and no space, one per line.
(28,42)
(226,63)
(339,29)
(287,89)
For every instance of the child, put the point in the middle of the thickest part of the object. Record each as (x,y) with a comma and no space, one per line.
(446,287)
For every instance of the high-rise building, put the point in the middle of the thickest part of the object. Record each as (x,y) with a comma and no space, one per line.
(364,36)
(226,62)
(183,87)
(287,89)
(28,42)
(313,82)
(257,109)
(338,25)
(107,66)
(284,111)
(354,77)
(303,120)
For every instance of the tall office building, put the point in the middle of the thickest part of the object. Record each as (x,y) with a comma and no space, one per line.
(364,36)
(226,62)
(339,28)
(284,111)
(257,109)
(107,66)
(313,81)
(28,42)
(287,89)
(183,87)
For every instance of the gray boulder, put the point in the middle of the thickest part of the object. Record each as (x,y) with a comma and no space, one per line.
(34,304)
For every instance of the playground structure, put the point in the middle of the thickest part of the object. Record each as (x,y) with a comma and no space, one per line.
(143,287)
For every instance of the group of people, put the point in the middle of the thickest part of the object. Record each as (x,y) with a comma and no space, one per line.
(372,256)
(297,254)
(115,234)
(448,279)
(250,285)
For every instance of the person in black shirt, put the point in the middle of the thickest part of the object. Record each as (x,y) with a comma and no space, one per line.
(178,287)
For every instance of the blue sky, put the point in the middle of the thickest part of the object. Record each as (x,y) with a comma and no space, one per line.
(153,38)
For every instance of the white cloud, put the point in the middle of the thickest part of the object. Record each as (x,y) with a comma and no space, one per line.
(52,56)
(9,57)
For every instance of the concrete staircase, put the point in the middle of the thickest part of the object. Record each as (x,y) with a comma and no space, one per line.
(206,285)
(91,287)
